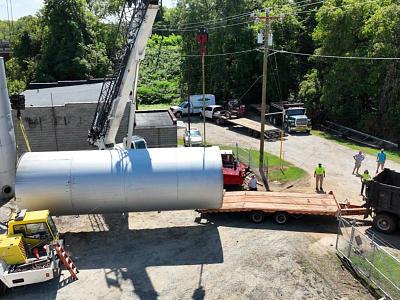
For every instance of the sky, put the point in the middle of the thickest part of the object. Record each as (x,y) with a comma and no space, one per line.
(21,8)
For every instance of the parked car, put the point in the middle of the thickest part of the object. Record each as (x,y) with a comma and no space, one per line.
(235,107)
(196,105)
(211,110)
(192,138)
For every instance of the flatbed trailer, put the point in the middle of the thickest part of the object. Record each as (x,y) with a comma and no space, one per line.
(282,205)
(254,128)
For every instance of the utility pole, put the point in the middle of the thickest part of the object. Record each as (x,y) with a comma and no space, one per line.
(202,38)
(267,19)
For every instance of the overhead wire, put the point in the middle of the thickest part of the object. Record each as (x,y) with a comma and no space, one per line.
(182,26)
(336,56)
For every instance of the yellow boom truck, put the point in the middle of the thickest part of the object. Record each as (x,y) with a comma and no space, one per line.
(31,251)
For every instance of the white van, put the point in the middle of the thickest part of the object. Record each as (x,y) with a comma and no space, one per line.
(196,105)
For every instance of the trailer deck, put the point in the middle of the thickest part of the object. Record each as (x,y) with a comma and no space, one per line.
(287,203)
(254,127)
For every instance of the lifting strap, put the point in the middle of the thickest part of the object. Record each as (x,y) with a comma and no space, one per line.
(21,125)
(67,261)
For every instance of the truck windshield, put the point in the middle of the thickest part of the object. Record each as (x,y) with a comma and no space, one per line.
(183,104)
(52,226)
(295,112)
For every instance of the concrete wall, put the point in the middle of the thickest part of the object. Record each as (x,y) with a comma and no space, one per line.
(63,128)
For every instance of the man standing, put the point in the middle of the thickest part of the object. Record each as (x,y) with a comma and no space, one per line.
(253,183)
(358,158)
(364,178)
(319,175)
(380,159)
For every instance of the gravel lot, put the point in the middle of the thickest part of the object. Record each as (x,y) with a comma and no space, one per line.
(177,255)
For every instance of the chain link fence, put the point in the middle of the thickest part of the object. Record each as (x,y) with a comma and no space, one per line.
(370,259)
(249,157)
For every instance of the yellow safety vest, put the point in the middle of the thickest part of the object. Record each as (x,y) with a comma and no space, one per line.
(366,177)
(319,171)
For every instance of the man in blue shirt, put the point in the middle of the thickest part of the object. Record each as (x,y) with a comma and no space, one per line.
(380,159)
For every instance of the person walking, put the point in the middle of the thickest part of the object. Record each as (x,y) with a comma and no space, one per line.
(253,183)
(380,160)
(319,175)
(364,178)
(358,158)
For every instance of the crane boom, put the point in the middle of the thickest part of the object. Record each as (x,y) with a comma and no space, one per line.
(134,30)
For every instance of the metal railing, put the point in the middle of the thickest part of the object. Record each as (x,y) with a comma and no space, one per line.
(370,259)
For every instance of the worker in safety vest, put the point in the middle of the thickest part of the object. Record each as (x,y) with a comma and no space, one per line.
(319,175)
(364,178)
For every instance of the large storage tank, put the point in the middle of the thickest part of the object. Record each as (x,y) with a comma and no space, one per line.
(109,181)
(7,140)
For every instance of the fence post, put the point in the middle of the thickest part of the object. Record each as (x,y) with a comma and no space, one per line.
(237,151)
(373,255)
(351,240)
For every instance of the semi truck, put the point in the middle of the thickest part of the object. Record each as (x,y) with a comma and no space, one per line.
(31,250)
(291,115)
(382,200)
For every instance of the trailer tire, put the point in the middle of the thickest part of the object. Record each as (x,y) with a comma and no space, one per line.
(385,223)
(3,289)
(281,217)
(257,216)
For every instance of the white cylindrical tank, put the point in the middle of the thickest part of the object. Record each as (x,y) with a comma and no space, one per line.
(7,140)
(109,181)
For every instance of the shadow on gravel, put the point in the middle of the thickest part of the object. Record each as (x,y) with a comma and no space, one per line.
(125,254)
(318,224)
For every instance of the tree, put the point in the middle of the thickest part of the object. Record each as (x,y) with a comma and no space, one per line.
(69,41)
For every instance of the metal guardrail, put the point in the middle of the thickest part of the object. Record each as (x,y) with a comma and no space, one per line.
(357,136)
(370,259)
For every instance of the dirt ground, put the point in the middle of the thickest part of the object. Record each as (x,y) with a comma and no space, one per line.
(183,255)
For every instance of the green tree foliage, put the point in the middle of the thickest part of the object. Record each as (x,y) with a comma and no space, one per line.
(69,49)
(160,72)
(359,93)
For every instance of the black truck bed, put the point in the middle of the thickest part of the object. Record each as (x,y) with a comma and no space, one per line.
(383,192)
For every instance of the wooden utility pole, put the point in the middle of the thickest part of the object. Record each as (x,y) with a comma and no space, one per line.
(264,100)
(267,19)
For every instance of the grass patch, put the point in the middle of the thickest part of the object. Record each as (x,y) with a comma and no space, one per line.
(154,106)
(392,154)
(290,172)
(383,264)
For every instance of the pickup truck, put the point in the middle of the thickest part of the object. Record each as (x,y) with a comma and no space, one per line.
(383,200)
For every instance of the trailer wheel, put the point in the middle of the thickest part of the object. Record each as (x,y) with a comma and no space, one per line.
(281,217)
(257,216)
(3,288)
(385,223)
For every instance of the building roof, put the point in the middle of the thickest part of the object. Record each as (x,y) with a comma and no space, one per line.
(61,95)
(154,118)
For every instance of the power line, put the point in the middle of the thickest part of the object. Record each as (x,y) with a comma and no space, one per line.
(336,56)
(331,8)
(233,17)
(224,54)
(208,28)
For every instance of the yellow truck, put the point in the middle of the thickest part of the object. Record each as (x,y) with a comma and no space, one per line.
(31,251)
